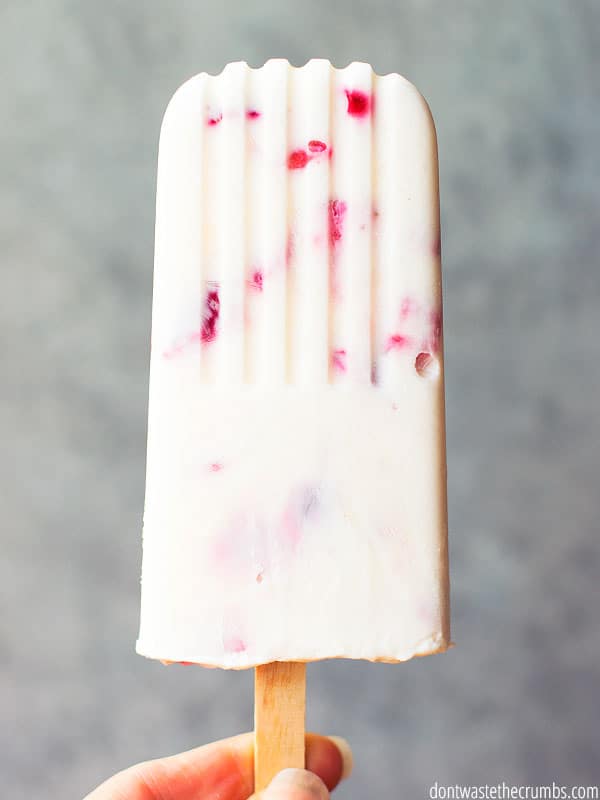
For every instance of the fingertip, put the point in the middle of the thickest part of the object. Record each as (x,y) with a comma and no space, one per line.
(296,784)
(329,757)
(346,753)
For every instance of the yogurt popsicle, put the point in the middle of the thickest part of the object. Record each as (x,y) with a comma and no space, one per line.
(296,486)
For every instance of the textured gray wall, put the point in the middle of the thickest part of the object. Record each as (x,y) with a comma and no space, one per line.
(515,90)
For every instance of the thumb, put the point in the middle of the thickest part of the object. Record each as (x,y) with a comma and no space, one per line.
(294,784)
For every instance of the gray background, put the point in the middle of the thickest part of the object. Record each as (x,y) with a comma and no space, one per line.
(515,90)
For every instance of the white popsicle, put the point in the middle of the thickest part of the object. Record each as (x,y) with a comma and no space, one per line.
(296,486)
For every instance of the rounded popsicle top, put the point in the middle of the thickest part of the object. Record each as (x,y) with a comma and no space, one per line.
(301,205)
(360,104)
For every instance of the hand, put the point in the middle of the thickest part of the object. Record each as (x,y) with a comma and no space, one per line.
(225,771)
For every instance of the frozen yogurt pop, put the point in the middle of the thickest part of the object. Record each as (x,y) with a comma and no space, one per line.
(296,484)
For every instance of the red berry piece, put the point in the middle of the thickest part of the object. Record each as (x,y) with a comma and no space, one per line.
(298,159)
(397,342)
(256,281)
(359,103)
(210,315)
(234,644)
(337,212)
(338,360)
(408,307)
(426,365)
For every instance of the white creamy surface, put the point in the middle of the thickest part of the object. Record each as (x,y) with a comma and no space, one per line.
(295,500)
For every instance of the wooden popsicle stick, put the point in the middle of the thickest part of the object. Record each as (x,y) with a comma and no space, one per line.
(279,714)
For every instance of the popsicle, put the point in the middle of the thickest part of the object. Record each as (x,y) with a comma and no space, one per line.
(296,483)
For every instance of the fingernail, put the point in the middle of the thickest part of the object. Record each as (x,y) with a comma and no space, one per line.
(346,753)
(304,784)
